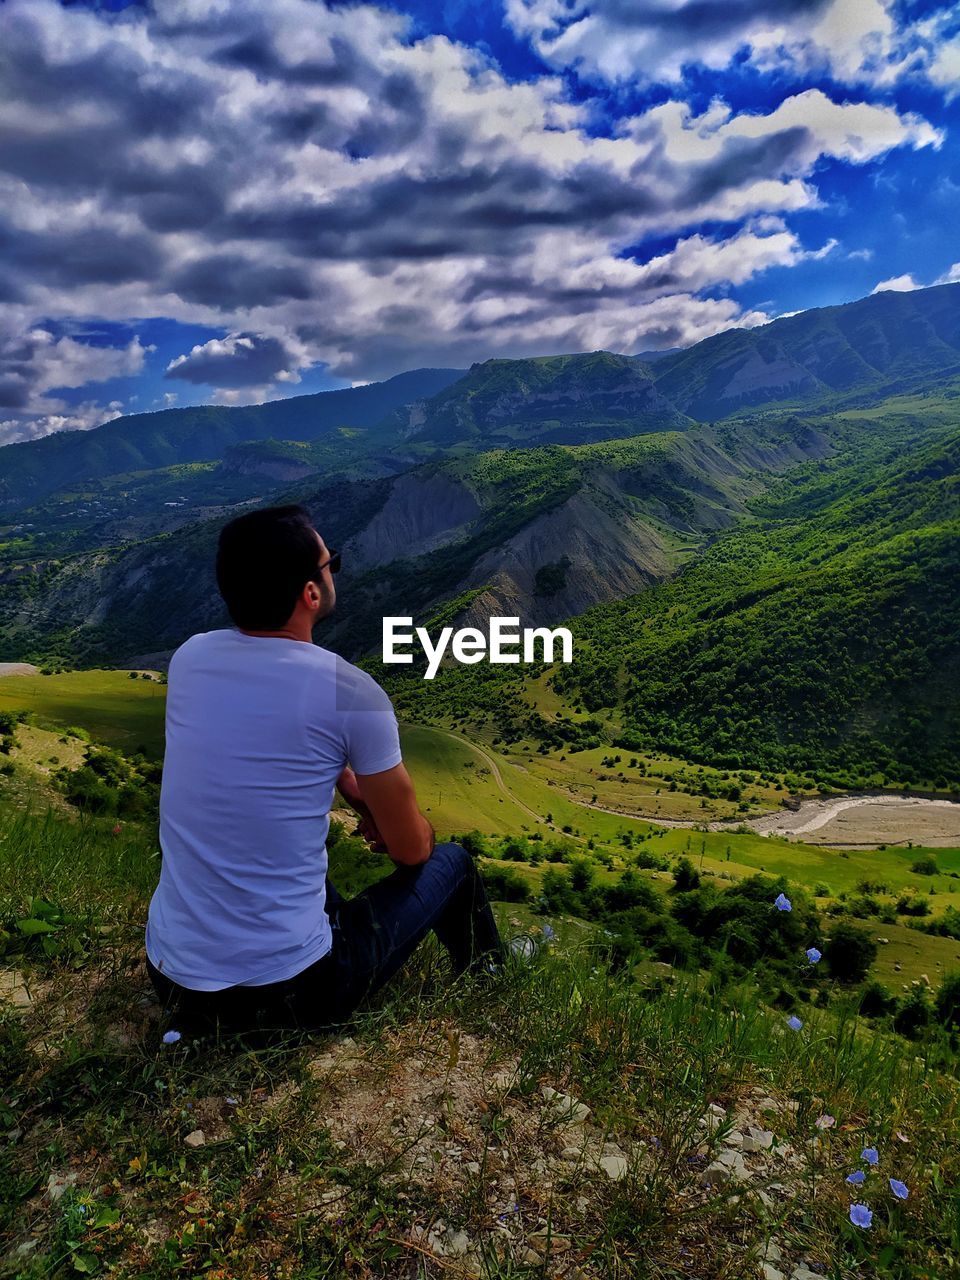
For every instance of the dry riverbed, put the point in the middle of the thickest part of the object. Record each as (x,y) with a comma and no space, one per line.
(866,821)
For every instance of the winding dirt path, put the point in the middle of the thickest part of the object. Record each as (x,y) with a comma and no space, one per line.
(895,822)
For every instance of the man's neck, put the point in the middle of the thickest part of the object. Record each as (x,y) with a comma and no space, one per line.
(285,633)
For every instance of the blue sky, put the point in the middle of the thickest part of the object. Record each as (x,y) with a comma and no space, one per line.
(207,203)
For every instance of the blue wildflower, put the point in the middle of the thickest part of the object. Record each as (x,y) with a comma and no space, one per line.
(170,1037)
(794,1023)
(899,1189)
(813,955)
(857,1177)
(871,1155)
(860,1215)
(782,902)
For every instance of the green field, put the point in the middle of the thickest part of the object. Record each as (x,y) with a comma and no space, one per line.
(465,786)
(123,713)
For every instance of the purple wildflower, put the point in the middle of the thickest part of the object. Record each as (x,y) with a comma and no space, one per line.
(899,1189)
(871,1155)
(857,1177)
(782,902)
(860,1215)
(825,1122)
(794,1023)
(813,955)
(170,1037)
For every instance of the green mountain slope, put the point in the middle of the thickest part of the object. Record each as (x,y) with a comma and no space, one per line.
(821,636)
(33,469)
(550,399)
(868,350)
(543,533)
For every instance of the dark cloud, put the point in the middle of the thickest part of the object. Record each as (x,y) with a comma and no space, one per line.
(229,281)
(80,257)
(240,360)
(706,17)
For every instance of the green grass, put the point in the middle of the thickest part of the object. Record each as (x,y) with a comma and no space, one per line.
(306,1169)
(114,709)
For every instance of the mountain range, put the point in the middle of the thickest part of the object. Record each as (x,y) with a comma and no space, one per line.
(589,484)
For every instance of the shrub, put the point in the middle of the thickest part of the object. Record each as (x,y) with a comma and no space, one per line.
(876,1000)
(947,1002)
(849,952)
(504,885)
(925,867)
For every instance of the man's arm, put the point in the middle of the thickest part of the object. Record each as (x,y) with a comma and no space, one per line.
(408,838)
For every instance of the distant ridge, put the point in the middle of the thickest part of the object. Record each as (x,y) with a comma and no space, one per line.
(32,469)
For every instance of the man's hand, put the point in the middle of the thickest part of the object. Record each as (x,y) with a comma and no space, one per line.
(403,832)
(366,828)
(350,792)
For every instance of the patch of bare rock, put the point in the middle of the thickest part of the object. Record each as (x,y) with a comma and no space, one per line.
(489,1165)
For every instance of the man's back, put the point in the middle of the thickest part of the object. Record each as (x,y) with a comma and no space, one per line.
(258,731)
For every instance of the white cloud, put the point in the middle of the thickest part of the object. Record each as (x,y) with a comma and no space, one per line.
(897,284)
(858,42)
(908,282)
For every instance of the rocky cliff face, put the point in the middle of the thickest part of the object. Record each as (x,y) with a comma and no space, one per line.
(423,511)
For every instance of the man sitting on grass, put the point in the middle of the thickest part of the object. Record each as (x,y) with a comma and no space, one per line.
(244,928)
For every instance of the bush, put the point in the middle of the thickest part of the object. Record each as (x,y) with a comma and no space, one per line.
(947,1002)
(925,867)
(504,885)
(914,1015)
(849,952)
(876,1000)
(685,876)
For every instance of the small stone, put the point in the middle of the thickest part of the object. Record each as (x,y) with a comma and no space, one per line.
(770,1272)
(13,989)
(757,1139)
(716,1175)
(733,1139)
(544,1241)
(772,1252)
(566,1108)
(573,1154)
(532,1258)
(458,1244)
(615,1167)
(57,1184)
(195,1139)
(715,1109)
(28,1246)
(472,1167)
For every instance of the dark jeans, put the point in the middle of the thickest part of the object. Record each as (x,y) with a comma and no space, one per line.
(373,935)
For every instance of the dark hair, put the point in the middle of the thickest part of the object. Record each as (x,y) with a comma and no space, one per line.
(264,560)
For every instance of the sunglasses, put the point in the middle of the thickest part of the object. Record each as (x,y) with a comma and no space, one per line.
(333,564)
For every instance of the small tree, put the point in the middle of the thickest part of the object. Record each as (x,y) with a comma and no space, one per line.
(947,1002)
(849,953)
(685,876)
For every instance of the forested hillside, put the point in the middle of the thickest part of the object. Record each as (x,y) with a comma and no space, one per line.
(818,634)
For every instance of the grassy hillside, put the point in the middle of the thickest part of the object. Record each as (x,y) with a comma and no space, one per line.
(429,1141)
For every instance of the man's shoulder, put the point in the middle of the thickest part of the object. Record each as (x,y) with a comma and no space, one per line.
(356,689)
(199,640)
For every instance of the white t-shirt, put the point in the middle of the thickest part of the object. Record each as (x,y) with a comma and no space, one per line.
(258,729)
